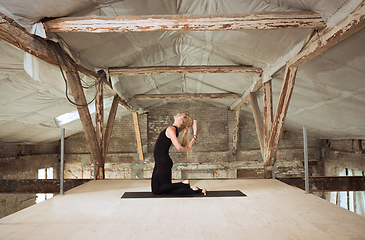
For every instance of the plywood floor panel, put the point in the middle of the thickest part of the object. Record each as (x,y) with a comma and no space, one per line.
(271,210)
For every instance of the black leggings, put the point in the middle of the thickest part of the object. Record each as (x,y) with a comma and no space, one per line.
(161,180)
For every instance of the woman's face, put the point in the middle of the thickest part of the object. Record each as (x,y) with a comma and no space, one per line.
(178,117)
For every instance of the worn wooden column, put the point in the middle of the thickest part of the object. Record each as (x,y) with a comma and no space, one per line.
(74,82)
(258,120)
(99,123)
(236,131)
(279,119)
(268,118)
(138,135)
(110,124)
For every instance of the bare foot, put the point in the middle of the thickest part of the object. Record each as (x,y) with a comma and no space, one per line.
(204,191)
(186,182)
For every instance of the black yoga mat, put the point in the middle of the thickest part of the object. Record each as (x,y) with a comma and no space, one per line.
(231,193)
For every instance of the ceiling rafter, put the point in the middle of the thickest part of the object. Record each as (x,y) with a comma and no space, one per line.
(154,70)
(186,96)
(249,21)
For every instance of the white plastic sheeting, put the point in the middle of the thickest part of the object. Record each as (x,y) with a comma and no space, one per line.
(328,96)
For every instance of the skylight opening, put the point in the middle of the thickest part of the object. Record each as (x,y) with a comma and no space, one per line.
(74,115)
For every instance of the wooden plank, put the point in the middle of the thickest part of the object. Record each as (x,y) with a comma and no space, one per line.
(110,124)
(280,115)
(268,113)
(184,22)
(328,37)
(138,135)
(74,82)
(154,70)
(236,131)
(337,183)
(38,185)
(186,96)
(99,127)
(258,120)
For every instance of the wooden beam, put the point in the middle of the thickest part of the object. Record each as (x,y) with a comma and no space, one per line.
(245,99)
(154,70)
(268,113)
(17,36)
(110,124)
(99,127)
(236,131)
(280,115)
(184,22)
(74,82)
(38,185)
(138,135)
(109,88)
(328,37)
(186,96)
(334,184)
(258,121)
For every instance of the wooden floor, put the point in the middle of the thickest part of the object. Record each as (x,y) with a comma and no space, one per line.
(271,210)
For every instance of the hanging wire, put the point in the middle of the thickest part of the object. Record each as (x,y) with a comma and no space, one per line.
(74,78)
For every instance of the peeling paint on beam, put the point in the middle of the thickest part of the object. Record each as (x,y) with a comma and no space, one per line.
(250,21)
(134,71)
(186,96)
(329,37)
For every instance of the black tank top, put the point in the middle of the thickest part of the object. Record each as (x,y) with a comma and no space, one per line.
(163,143)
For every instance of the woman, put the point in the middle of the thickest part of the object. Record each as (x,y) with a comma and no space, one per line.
(161,176)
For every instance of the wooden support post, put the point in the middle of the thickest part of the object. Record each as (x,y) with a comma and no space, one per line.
(99,123)
(138,135)
(74,82)
(258,121)
(268,118)
(280,114)
(236,131)
(110,124)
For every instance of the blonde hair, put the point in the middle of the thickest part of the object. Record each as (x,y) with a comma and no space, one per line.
(187,122)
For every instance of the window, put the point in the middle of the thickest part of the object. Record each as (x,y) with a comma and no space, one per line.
(44,173)
(350,200)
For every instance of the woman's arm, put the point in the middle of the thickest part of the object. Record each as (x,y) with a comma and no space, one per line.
(195,131)
(171,133)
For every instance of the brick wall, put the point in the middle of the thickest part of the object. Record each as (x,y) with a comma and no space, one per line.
(212,153)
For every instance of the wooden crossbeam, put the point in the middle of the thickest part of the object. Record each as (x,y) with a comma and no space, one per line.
(186,96)
(328,37)
(154,70)
(250,21)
